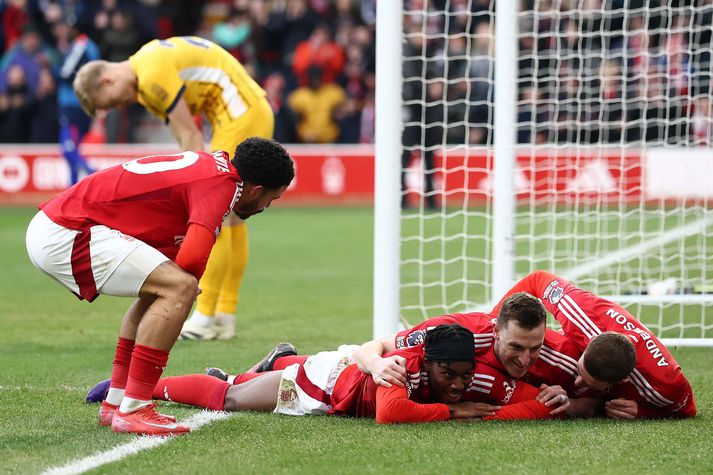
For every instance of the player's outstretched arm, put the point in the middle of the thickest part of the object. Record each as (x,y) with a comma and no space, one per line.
(387,371)
(184,129)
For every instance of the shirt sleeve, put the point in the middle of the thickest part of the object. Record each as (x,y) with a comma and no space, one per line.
(160,86)
(209,201)
(526,410)
(193,254)
(394,406)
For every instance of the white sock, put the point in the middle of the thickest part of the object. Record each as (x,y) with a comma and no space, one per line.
(114,396)
(129,404)
(202,320)
(231,379)
(225,319)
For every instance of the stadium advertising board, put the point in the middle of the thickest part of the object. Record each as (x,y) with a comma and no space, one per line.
(345,174)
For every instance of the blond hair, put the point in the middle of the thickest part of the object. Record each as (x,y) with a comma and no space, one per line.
(87,84)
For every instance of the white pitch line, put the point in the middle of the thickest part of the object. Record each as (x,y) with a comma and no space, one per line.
(136,445)
(699,225)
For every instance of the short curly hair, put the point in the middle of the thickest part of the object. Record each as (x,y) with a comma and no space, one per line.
(263,162)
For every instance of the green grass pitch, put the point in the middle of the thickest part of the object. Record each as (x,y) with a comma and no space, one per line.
(308,282)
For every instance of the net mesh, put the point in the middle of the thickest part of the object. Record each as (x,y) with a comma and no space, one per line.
(614,128)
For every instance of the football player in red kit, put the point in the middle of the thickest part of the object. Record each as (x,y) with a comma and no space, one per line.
(145,229)
(655,388)
(515,353)
(438,372)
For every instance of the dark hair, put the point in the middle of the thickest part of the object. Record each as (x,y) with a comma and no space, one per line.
(609,357)
(524,309)
(263,162)
(451,342)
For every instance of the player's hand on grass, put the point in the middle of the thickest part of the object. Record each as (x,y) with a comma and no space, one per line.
(554,396)
(389,371)
(471,410)
(621,409)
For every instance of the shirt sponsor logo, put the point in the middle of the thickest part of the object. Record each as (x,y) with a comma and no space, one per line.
(509,390)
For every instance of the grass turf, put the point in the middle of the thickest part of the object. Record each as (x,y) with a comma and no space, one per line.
(308,282)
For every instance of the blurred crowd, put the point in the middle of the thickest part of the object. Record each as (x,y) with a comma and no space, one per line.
(590,71)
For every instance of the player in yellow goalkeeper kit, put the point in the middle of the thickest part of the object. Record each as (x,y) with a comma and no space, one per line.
(176,79)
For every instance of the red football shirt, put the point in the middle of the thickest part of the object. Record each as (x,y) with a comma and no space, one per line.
(153,199)
(556,365)
(356,394)
(657,382)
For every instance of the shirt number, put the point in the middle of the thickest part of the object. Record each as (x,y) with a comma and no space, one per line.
(171,162)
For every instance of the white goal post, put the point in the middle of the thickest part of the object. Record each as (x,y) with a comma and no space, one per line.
(580,145)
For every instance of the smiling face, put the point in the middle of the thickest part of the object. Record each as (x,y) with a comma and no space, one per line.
(448,381)
(517,348)
(254,199)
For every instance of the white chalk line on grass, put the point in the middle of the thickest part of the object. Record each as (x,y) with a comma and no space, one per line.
(666,237)
(136,445)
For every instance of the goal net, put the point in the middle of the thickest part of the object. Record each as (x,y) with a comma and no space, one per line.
(605,157)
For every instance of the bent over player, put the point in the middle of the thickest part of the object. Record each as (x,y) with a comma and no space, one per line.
(656,387)
(176,79)
(145,229)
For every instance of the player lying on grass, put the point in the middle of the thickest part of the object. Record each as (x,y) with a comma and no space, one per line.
(145,229)
(611,374)
(655,388)
(506,349)
(508,370)
(438,374)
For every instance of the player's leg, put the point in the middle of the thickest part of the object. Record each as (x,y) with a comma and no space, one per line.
(165,297)
(280,357)
(256,122)
(201,324)
(257,394)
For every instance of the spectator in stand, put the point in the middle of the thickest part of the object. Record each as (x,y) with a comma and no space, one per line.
(290,23)
(702,122)
(17,105)
(31,54)
(316,106)
(274,86)
(14,19)
(44,127)
(234,33)
(77,49)
(118,39)
(319,50)
(352,80)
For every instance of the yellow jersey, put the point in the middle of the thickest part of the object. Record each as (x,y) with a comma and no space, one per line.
(210,80)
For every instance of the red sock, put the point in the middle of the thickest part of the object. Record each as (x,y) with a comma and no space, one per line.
(241,378)
(147,364)
(522,411)
(195,389)
(285,361)
(122,360)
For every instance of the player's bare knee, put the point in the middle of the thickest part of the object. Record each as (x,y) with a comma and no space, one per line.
(185,287)
(232,399)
